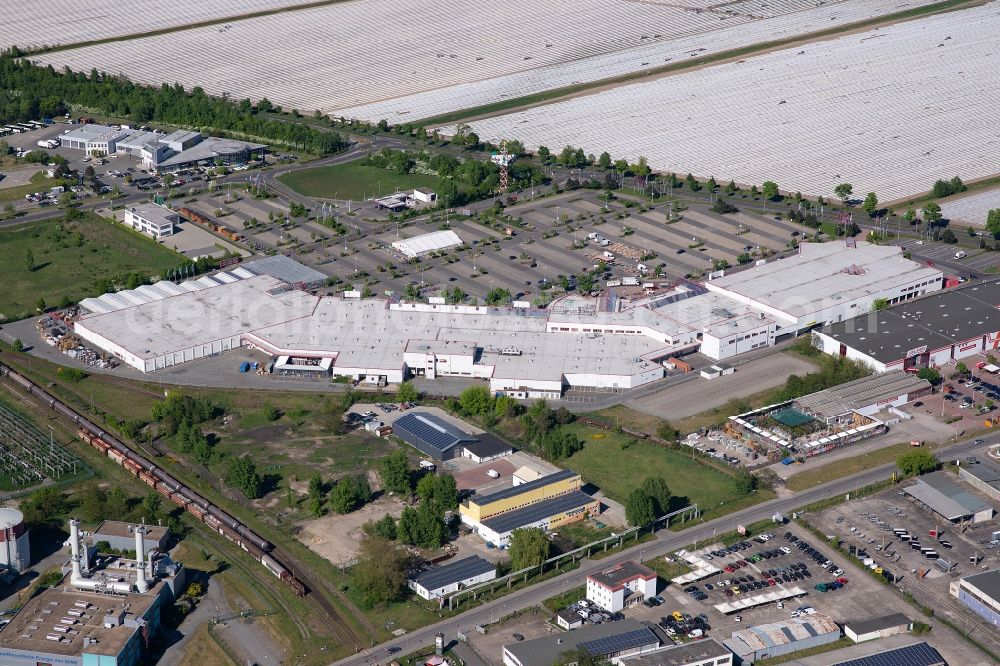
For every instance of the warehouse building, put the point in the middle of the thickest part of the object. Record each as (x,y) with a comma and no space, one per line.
(545,503)
(939,493)
(707,652)
(623,585)
(917,654)
(420,246)
(929,332)
(152,219)
(436,582)
(487,447)
(982,475)
(431,435)
(878,627)
(981,594)
(611,641)
(94,139)
(121,537)
(826,283)
(782,637)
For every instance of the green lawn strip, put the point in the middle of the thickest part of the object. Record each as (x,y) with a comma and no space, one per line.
(838,469)
(38,183)
(560,601)
(69,257)
(667,570)
(354,180)
(549,95)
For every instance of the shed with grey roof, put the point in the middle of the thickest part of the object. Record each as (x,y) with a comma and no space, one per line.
(948,499)
(436,582)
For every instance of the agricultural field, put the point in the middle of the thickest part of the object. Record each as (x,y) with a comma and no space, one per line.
(866,108)
(438,56)
(354,180)
(34,23)
(68,258)
(971,209)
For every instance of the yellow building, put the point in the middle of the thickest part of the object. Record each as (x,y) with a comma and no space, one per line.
(478,509)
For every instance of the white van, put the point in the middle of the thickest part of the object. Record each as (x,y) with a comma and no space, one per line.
(960,254)
(608,255)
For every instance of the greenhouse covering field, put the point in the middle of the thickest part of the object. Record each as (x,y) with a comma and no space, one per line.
(33,23)
(971,209)
(888,110)
(409,59)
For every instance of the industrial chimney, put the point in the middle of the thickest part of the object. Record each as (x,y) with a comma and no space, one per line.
(141,583)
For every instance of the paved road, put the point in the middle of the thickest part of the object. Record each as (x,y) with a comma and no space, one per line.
(665,542)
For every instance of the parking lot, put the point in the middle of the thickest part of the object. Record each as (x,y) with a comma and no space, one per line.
(976,261)
(868,525)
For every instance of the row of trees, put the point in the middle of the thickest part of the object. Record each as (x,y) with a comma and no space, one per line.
(425,525)
(29,92)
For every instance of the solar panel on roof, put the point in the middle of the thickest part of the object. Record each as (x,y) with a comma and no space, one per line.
(525,487)
(464,569)
(619,642)
(920,654)
(511,520)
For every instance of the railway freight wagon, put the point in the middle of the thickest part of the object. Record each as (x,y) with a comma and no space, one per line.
(257,546)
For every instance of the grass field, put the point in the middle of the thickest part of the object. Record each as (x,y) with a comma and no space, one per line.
(841,468)
(354,180)
(69,257)
(38,182)
(607,465)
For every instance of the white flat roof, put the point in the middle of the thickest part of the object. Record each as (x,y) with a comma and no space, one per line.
(437,240)
(200,317)
(825,274)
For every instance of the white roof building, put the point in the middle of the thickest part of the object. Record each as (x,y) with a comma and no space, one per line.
(418,246)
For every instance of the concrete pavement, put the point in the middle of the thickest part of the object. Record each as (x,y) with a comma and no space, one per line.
(665,542)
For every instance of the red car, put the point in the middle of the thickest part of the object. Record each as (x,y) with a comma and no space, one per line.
(842,581)
(729,569)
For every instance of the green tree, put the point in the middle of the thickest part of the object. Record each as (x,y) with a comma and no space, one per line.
(640,509)
(745,482)
(962,368)
(931,213)
(385,527)
(396,473)
(440,489)
(993,223)
(407,529)
(657,489)
(870,204)
(844,191)
(604,161)
(17,345)
(666,430)
(379,576)
(498,296)
(431,530)
(349,493)
(880,304)
(529,547)
(770,190)
(476,400)
(40,305)
(948,236)
(242,473)
(116,503)
(744,258)
(930,374)
(29,260)
(149,507)
(916,462)
(407,392)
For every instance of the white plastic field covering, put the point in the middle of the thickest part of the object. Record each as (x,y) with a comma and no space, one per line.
(27,23)
(411,59)
(889,111)
(971,209)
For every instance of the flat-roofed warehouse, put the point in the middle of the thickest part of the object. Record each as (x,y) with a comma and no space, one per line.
(172,330)
(866,396)
(945,497)
(927,332)
(828,282)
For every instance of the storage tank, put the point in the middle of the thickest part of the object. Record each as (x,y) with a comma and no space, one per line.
(14,551)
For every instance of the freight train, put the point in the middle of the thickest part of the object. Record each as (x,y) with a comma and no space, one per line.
(257,546)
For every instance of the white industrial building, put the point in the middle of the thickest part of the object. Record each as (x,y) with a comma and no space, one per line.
(436,582)
(610,343)
(159,151)
(828,282)
(425,244)
(620,586)
(929,332)
(152,219)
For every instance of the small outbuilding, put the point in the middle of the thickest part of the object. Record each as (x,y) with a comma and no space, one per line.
(436,582)
(486,448)
(878,627)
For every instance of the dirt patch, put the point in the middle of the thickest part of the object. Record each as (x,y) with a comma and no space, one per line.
(337,537)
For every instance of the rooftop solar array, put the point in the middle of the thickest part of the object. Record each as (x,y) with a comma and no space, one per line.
(919,654)
(514,491)
(429,433)
(511,520)
(285,269)
(619,642)
(463,569)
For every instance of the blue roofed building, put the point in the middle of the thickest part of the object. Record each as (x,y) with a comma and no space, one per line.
(432,435)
